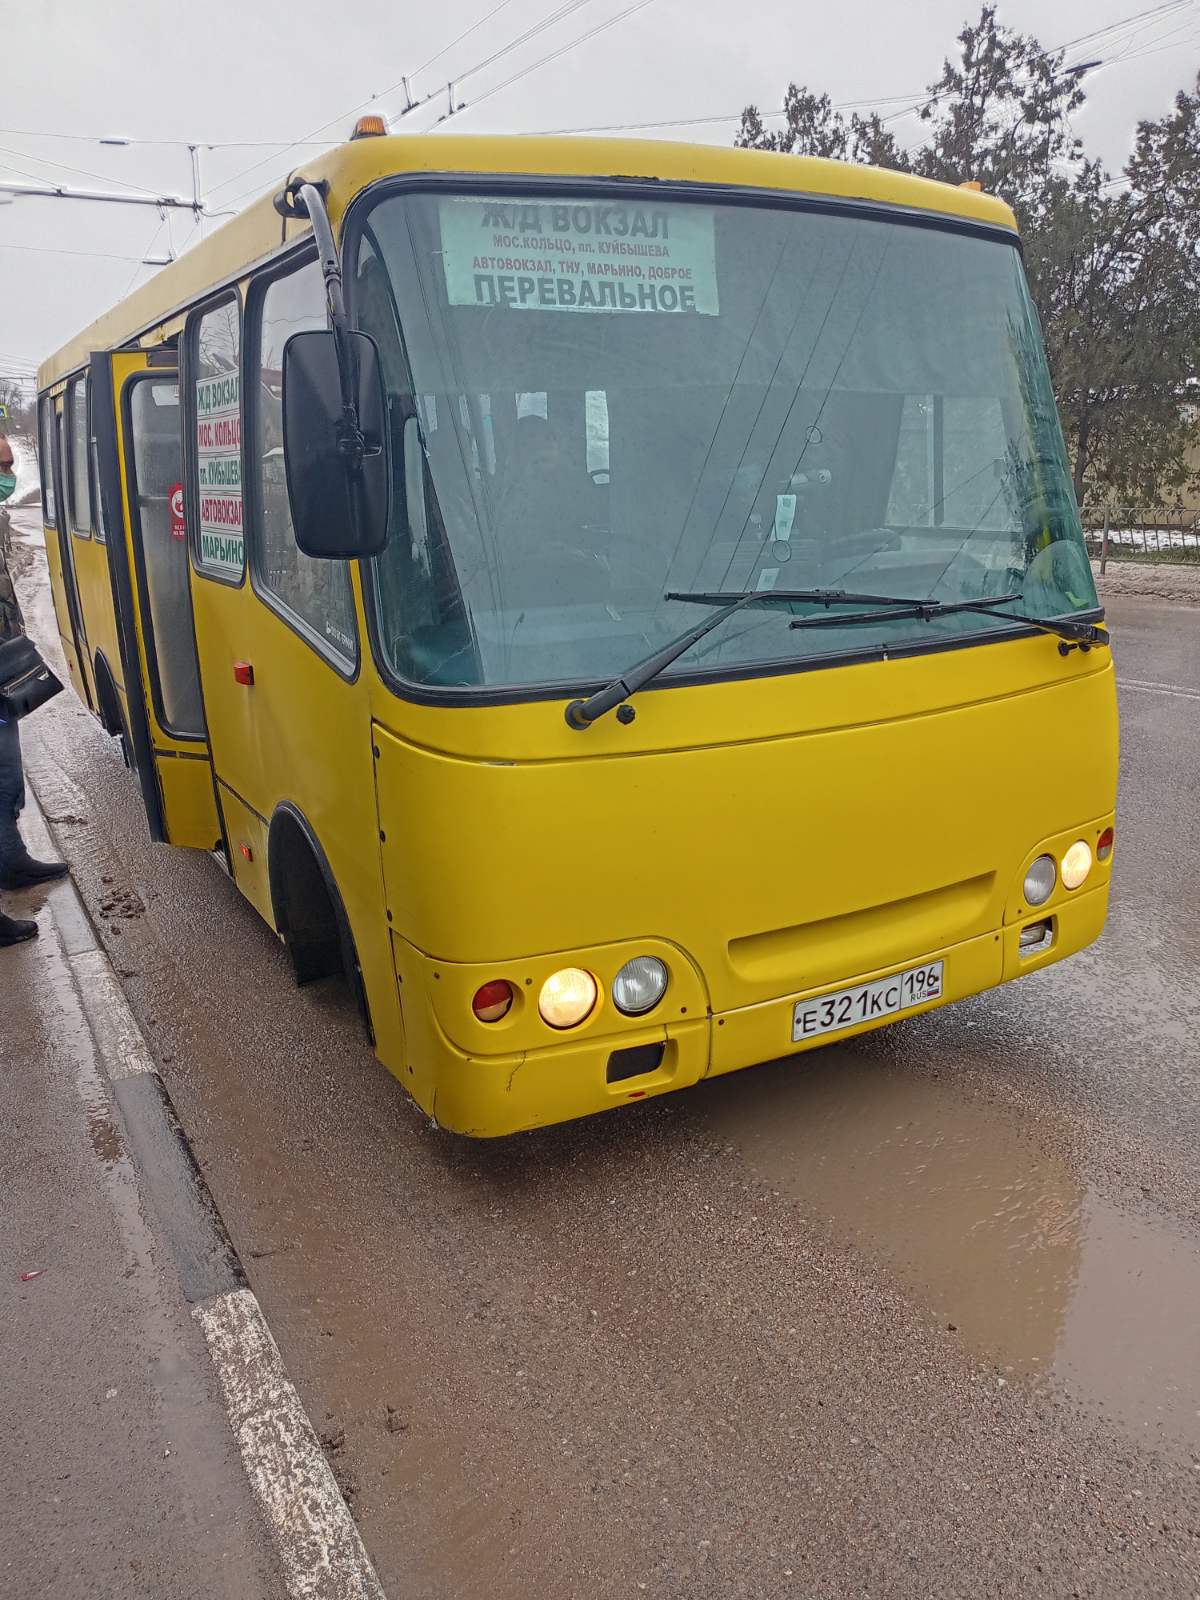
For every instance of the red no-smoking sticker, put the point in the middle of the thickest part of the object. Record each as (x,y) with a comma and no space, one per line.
(177,528)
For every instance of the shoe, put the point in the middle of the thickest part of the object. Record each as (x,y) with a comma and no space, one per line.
(15,931)
(28,872)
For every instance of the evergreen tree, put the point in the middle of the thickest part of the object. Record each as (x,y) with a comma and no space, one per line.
(1113,264)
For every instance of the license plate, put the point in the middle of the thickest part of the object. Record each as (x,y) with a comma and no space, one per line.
(885,997)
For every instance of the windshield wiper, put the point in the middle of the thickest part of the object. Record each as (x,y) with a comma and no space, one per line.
(822,597)
(902,607)
(1081,635)
(582,713)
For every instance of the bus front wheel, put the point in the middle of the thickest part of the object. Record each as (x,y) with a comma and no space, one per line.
(309,915)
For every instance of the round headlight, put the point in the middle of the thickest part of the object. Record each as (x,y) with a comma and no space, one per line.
(567,997)
(640,985)
(1039,881)
(1076,864)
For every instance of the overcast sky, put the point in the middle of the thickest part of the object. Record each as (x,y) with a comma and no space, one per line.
(239,70)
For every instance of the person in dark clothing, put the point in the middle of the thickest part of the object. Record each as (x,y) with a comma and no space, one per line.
(18,869)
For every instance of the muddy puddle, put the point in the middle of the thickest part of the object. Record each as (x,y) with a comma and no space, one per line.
(104,1134)
(987,1225)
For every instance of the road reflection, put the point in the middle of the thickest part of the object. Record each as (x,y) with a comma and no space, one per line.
(988,1221)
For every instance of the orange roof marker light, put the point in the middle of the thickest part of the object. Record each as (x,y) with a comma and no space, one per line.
(970,183)
(372,126)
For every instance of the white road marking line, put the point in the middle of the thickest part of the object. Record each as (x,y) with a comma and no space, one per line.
(1149,687)
(118,1037)
(321,1551)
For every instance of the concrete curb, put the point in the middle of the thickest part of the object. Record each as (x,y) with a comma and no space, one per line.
(320,1550)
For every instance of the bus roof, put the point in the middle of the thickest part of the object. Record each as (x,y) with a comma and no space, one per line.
(154,310)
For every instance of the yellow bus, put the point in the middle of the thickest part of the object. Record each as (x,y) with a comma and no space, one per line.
(621,603)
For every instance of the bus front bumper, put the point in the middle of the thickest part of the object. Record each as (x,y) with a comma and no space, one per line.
(486,1096)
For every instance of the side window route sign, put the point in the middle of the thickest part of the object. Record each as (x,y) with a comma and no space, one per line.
(602,255)
(219,471)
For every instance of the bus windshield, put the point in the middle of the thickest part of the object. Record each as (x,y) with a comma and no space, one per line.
(595,401)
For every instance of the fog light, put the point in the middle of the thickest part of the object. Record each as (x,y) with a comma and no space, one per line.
(492,1000)
(640,985)
(1076,864)
(1104,845)
(1039,881)
(567,997)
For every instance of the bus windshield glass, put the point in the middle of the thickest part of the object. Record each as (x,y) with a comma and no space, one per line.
(594,401)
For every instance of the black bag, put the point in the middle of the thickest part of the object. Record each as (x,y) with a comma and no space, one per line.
(26,682)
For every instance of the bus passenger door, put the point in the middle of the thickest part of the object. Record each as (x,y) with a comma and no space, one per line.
(60,553)
(139,454)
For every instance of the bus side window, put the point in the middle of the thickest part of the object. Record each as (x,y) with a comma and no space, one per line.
(154,461)
(596,445)
(975,447)
(79,459)
(46,463)
(950,458)
(910,503)
(314,593)
(214,411)
(99,529)
(419,612)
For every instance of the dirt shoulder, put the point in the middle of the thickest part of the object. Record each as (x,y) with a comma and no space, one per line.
(1164,580)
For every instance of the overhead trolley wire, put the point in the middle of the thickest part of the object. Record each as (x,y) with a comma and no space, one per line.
(910,103)
(553,55)
(1134,26)
(57,250)
(81,172)
(558,14)
(445,50)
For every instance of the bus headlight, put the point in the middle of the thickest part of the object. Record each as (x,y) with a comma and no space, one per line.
(640,985)
(1076,864)
(1039,881)
(567,997)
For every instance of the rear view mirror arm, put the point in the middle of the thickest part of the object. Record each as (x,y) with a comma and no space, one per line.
(303,199)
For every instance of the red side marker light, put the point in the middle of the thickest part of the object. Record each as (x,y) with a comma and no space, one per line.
(243,672)
(493,1000)
(1104,845)
(246,851)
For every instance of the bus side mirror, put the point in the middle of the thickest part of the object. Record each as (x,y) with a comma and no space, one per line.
(339,483)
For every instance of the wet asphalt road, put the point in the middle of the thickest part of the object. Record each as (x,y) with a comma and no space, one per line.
(917,1315)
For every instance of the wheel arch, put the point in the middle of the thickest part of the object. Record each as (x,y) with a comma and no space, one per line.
(310,915)
(109,708)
